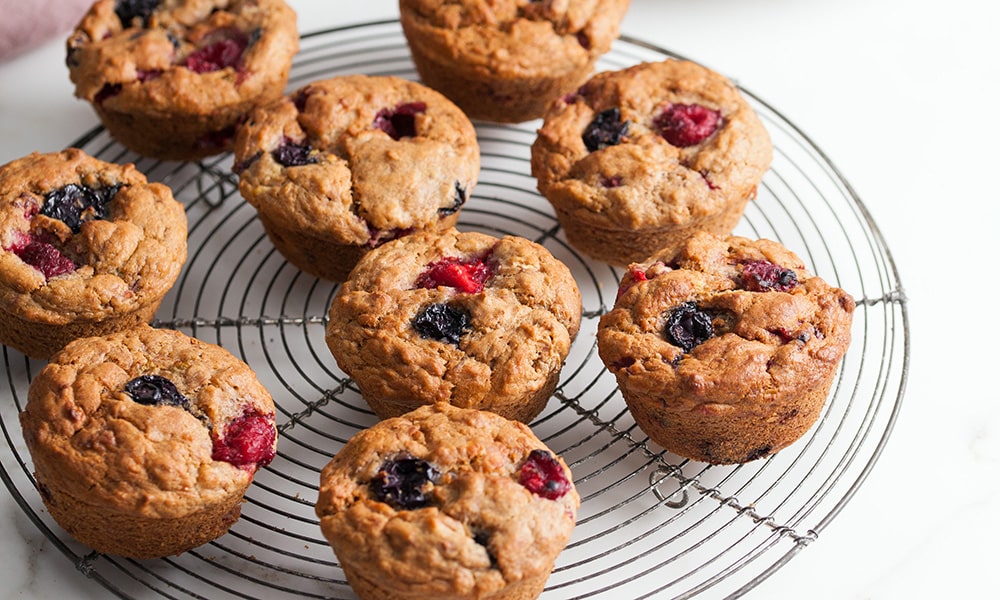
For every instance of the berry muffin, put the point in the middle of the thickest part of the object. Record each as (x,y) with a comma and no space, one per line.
(464,318)
(172,79)
(342,165)
(86,248)
(637,160)
(446,502)
(144,441)
(506,60)
(725,352)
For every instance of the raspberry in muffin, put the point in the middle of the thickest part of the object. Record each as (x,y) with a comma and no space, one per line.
(637,160)
(459,317)
(505,61)
(726,350)
(145,441)
(172,79)
(87,247)
(343,165)
(447,502)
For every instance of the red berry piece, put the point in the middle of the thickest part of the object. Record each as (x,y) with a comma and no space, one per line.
(543,475)
(404,483)
(247,442)
(685,125)
(219,54)
(401,121)
(442,322)
(764,275)
(629,280)
(44,257)
(687,326)
(154,390)
(465,276)
(607,129)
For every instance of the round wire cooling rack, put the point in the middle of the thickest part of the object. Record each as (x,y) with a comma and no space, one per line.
(651,524)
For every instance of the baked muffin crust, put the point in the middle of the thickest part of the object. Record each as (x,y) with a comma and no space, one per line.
(748,384)
(627,198)
(114,268)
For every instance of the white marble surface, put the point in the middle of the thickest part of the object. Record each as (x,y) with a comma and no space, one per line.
(902,97)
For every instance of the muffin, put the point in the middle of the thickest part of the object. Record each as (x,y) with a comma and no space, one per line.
(345,164)
(144,441)
(725,352)
(86,248)
(458,317)
(447,502)
(171,80)
(505,61)
(637,160)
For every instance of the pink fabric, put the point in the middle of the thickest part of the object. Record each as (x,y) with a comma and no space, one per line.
(25,24)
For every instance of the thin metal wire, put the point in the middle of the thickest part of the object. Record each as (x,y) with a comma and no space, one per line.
(651,524)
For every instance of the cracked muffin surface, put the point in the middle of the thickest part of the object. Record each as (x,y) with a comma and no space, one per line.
(144,441)
(86,247)
(447,502)
(343,165)
(726,350)
(459,317)
(506,60)
(636,160)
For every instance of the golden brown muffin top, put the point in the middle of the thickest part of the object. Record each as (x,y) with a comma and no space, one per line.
(358,158)
(655,144)
(81,238)
(510,38)
(186,55)
(94,431)
(443,500)
(727,318)
(514,310)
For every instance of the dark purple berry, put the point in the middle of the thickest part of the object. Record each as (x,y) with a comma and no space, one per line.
(442,322)
(401,121)
(482,538)
(687,124)
(688,326)
(456,204)
(73,204)
(154,390)
(292,154)
(44,257)
(764,275)
(128,10)
(607,129)
(543,475)
(404,482)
